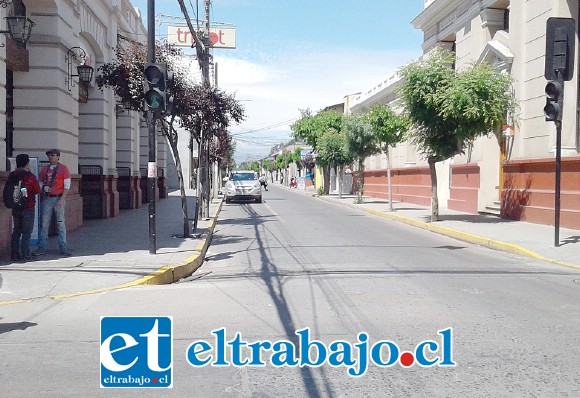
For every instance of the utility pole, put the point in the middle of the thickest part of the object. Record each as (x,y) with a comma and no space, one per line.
(151,165)
(207,83)
(203,56)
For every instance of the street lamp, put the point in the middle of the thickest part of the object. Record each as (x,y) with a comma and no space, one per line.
(19,28)
(84,72)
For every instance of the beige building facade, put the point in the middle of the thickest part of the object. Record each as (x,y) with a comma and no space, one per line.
(43,105)
(510,175)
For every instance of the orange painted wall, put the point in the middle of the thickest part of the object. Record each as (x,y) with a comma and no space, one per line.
(528,192)
(465,179)
(409,184)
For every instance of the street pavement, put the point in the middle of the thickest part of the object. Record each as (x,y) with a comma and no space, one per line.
(114,253)
(519,237)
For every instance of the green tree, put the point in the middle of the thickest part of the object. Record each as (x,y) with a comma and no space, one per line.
(449,109)
(311,127)
(333,150)
(297,157)
(389,129)
(269,166)
(361,143)
(254,166)
(282,162)
(195,107)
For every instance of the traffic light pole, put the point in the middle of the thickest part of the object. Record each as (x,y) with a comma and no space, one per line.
(152,163)
(557,189)
(559,67)
(560,80)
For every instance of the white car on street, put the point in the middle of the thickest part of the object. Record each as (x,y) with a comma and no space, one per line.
(243,185)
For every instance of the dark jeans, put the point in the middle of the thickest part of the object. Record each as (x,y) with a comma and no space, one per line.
(23,220)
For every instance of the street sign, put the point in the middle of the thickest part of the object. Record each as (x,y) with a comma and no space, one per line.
(180,36)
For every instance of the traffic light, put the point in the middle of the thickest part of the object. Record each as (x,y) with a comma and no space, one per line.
(155,87)
(169,93)
(553,108)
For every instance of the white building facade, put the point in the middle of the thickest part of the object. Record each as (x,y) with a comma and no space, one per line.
(513,176)
(104,146)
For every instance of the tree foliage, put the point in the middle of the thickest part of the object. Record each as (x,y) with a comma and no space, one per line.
(311,127)
(388,127)
(361,144)
(333,148)
(448,108)
(198,109)
(268,165)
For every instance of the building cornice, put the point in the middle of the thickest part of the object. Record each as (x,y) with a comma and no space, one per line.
(445,17)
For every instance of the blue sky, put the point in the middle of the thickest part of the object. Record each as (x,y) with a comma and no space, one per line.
(299,54)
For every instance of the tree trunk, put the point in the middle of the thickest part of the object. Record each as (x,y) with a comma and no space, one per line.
(389,187)
(326,179)
(173,144)
(340,180)
(360,179)
(434,197)
(202,176)
(208,180)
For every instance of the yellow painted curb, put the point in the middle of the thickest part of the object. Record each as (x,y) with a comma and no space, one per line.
(15,302)
(467,237)
(164,275)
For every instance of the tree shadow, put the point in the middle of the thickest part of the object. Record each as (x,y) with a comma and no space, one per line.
(570,240)
(472,218)
(9,327)
(514,199)
(273,280)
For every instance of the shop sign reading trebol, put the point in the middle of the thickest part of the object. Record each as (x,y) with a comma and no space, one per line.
(219,37)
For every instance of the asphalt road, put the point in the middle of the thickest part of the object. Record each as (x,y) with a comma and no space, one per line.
(295,262)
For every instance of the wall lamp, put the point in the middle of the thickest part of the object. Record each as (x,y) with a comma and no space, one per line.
(19,28)
(84,72)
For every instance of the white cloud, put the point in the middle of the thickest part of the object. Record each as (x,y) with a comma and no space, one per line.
(275,88)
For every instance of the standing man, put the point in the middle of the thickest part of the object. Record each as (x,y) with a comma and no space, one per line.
(55,180)
(23,218)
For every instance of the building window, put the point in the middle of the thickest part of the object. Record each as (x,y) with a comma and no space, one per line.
(506,20)
(9,113)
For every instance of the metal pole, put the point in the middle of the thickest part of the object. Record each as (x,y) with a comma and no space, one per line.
(151,166)
(557,190)
(207,135)
(560,78)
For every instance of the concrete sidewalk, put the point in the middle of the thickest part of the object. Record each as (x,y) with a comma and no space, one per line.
(114,253)
(519,237)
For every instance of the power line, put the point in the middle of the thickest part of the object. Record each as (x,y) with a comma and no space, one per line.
(277,124)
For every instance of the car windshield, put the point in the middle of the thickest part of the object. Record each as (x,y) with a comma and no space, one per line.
(244,176)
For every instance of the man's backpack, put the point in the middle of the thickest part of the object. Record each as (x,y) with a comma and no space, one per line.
(12,194)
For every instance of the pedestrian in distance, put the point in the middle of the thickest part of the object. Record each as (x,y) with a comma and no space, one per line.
(20,195)
(264,182)
(56,180)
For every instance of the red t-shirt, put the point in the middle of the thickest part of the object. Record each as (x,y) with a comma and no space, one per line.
(56,183)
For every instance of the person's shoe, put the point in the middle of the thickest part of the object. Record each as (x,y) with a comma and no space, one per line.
(65,253)
(26,258)
(38,253)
